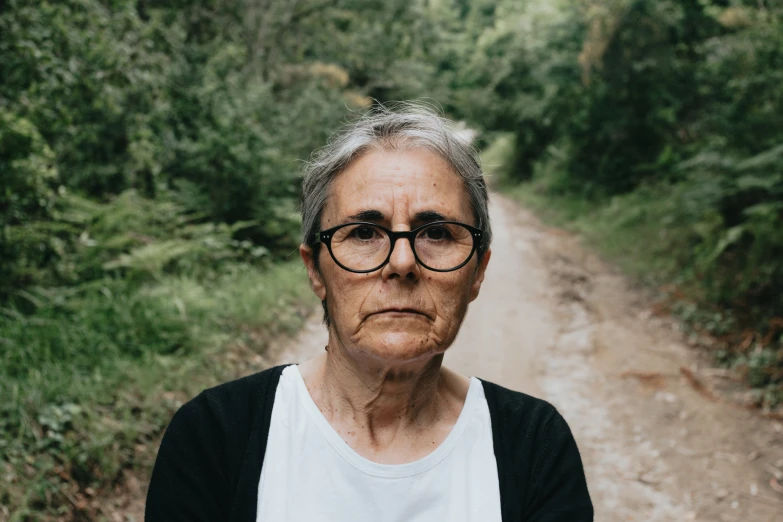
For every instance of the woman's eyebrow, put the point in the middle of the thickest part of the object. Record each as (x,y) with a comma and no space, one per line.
(367,215)
(427,216)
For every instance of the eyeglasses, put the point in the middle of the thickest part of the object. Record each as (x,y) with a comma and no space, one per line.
(441,246)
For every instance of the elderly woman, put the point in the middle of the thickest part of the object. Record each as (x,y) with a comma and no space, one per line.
(396,244)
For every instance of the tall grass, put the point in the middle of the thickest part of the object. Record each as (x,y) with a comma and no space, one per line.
(90,378)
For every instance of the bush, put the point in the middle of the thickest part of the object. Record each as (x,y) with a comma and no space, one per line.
(658,119)
(149,159)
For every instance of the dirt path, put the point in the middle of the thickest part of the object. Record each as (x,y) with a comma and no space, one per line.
(554,321)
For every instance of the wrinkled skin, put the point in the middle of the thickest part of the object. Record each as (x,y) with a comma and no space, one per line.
(399,184)
(381,384)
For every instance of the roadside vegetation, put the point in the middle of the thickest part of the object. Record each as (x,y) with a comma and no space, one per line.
(650,127)
(149,159)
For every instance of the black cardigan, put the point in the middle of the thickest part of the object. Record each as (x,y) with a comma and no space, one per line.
(209,463)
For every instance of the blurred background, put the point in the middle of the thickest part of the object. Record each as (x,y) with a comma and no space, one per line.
(149,160)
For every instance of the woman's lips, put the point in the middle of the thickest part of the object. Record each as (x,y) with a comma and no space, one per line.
(400,311)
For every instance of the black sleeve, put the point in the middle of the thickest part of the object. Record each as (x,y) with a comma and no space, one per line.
(189,481)
(540,472)
(559,489)
(211,456)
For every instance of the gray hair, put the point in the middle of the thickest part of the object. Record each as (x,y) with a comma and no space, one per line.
(398,126)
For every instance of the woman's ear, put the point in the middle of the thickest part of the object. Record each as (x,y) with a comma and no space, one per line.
(316,280)
(481,269)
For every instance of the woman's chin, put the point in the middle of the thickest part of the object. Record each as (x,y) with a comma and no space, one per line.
(400,346)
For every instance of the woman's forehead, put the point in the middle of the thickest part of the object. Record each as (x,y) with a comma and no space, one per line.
(387,184)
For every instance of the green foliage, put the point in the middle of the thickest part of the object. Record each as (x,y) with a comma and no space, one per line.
(734,209)
(26,167)
(26,196)
(149,159)
(99,368)
(655,125)
(91,78)
(202,100)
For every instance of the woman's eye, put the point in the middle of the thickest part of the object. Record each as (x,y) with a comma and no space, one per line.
(436,233)
(365,233)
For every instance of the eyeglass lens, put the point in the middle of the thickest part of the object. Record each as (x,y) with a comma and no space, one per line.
(441,246)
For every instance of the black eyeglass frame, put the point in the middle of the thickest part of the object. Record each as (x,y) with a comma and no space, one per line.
(325,237)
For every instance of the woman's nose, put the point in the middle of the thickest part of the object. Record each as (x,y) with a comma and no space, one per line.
(402,262)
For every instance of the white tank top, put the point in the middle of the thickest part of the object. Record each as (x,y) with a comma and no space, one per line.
(310,473)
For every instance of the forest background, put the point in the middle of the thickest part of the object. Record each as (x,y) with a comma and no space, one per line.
(149,176)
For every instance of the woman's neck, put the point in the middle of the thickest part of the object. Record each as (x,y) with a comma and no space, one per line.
(376,405)
(382,394)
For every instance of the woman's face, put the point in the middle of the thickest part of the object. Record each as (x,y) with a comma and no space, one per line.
(403,311)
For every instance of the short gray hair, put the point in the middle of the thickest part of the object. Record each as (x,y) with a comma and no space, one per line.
(397,126)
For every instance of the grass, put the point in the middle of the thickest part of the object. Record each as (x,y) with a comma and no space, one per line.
(89,380)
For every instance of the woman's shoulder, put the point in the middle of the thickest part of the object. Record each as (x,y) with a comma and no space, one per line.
(212,451)
(229,412)
(221,421)
(539,465)
(521,423)
(245,389)
(515,406)
(235,401)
